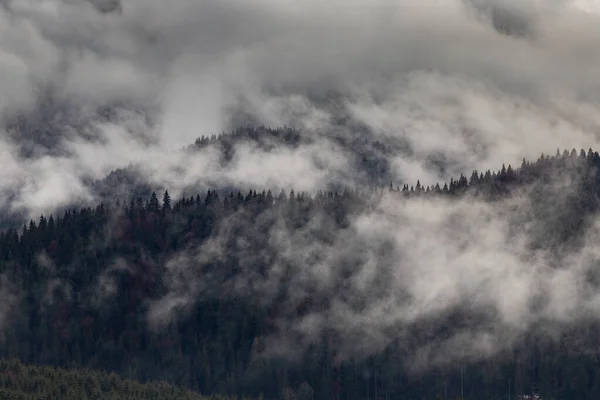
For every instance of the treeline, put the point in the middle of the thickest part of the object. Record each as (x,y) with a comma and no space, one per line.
(263,136)
(27,382)
(364,153)
(581,166)
(78,290)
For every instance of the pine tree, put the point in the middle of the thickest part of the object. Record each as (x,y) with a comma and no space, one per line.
(153,204)
(474,178)
(166,202)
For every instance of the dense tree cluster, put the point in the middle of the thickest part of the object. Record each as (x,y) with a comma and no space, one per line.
(262,136)
(24,382)
(581,165)
(367,155)
(77,290)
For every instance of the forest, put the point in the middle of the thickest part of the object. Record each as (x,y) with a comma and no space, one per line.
(180,290)
(24,382)
(300,200)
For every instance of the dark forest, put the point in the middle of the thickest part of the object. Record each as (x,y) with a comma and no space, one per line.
(113,287)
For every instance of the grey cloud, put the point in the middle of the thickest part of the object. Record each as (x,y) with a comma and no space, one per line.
(419,73)
(516,18)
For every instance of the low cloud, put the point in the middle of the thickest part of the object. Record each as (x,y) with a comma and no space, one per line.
(473,83)
(442,279)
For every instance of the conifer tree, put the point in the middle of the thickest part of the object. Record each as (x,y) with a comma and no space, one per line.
(153,204)
(166,202)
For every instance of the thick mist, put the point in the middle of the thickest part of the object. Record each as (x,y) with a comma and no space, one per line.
(89,86)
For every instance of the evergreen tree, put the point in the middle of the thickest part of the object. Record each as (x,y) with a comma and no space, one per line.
(166,202)
(153,205)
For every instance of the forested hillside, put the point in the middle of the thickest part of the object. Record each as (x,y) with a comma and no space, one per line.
(24,382)
(293,200)
(367,155)
(214,292)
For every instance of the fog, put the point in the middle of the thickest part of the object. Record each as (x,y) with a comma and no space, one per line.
(90,86)
(478,82)
(399,273)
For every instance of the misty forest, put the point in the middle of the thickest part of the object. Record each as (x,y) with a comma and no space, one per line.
(286,200)
(220,291)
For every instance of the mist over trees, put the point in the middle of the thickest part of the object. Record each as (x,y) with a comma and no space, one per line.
(265,293)
(92,86)
(374,220)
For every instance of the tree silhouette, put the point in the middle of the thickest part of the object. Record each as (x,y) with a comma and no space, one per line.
(166,202)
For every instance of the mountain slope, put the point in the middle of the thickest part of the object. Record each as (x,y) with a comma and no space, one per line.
(243,294)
